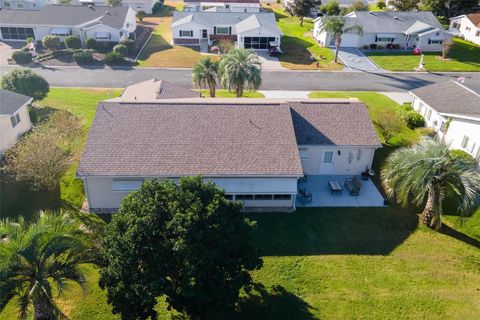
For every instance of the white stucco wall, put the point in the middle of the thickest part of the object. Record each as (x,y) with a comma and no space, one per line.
(100,195)
(10,135)
(350,161)
(467,29)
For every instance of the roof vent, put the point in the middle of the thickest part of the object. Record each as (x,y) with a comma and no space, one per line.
(396,18)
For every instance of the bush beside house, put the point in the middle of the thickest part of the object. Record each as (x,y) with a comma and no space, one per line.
(51,42)
(83,56)
(113,59)
(91,43)
(22,57)
(121,49)
(73,42)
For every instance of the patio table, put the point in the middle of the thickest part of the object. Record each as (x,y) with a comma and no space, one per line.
(335,186)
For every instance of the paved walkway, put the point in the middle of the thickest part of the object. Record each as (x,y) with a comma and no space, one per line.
(355,60)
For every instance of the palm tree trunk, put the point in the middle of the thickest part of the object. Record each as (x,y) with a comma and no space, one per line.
(336,54)
(239,91)
(338,41)
(212,91)
(41,311)
(430,216)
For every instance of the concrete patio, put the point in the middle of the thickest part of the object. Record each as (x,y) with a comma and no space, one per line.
(323,196)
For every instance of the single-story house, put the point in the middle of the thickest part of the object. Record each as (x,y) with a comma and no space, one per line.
(26,4)
(222,5)
(466,26)
(413,29)
(153,89)
(101,23)
(137,5)
(453,111)
(255,149)
(14,118)
(247,30)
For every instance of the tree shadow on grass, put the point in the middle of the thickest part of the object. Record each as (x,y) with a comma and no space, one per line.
(449,231)
(276,303)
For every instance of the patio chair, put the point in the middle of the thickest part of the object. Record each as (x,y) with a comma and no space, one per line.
(353,184)
(305,197)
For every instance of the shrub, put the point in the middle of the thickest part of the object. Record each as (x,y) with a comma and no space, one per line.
(373,46)
(390,46)
(366,47)
(73,42)
(51,42)
(83,56)
(122,49)
(141,15)
(396,46)
(29,40)
(26,82)
(130,44)
(380,47)
(157,7)
(407,106)
(113,59)
(462,155)
(413,119)
(332,8)
(91,43)
(381,4)
(359,5)
(22,57)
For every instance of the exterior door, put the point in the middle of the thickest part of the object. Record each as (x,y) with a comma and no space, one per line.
(204,34)
(327,162)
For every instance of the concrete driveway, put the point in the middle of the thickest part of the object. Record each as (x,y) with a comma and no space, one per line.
(269,63)
(6,50)
(355,60)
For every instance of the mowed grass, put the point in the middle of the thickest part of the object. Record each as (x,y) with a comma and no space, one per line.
(464,56)
(159,52)
(16,198)
(299,46)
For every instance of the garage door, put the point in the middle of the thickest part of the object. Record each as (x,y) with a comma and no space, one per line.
(350,40)
(257,42)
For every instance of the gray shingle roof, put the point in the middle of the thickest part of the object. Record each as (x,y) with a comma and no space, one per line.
(154,89)
(391,21)
(214,138)
(450,97)
(224,1)
(10,102)
(66,16)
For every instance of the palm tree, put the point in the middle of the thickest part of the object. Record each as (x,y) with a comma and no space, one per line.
(425,173)
(35,257)
(240,68)
(336,26)
(205,73)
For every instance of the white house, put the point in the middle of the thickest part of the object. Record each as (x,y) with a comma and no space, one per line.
(255,149)
(248,30)
(453,111)
(415,29)
(137,5)
(222,5)
(26,4)
(467,26)
(14,118)
(101,23)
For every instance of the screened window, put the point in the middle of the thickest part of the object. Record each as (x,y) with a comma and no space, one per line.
(15,119)
(328,157)
(229,197)
(263,197)
(186,33)
(282,196)
(465,142)
(244,197)
(16,33)
(257,42)
(222,30)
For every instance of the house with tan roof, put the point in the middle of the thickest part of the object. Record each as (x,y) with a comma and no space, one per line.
(467,26)
(222,5)
(255,149)
(153,89)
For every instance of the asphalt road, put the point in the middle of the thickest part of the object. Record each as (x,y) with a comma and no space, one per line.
(272,80)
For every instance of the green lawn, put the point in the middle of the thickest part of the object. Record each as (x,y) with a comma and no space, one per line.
(16,198)
(298,44)
(464,56)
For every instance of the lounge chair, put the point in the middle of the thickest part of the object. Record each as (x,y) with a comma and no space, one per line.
(305,197)
(353,184)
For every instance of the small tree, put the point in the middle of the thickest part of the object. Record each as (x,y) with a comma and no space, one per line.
(336,27)
(240,68)
(51,42)
(92,43)
(73,42)
(121,48)
(140,15)
(404,5)
(160,243)
(26,82)
(359,5)
(381,4)
(114,3)
(388,123)
(22,57)
(205,74)
(300,8)
(332,8)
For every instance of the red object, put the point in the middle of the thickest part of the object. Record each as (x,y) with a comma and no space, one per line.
(417,51)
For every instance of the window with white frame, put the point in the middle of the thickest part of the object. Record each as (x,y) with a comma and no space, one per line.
(15,119)
(328,157)
(429,114)
(186,33)
(435,41)
(127,185)
(465,142)
(222,30)
(477,34)
(303,153)
(103,35)
(472,147)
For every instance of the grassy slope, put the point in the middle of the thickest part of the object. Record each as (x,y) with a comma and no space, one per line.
(464,55)
(17,198)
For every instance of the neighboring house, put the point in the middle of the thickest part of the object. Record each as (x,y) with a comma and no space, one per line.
(222,5)
(453,111)
(153,89)
(254,149)
(467,26)
(342,3)
(26,4)
(248,30)
(137,5)
(407,29)
(101,23)
(14,118)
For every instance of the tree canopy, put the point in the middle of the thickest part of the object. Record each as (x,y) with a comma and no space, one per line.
(300,8)
(404,5)
(182,240)
(205,74)
(240,68)
(26,82)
